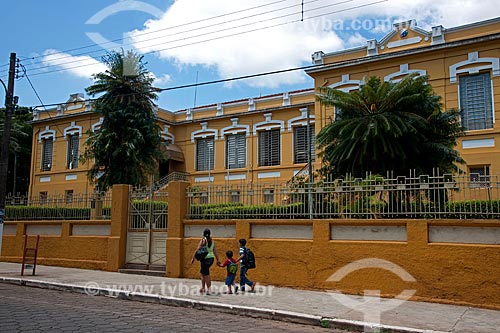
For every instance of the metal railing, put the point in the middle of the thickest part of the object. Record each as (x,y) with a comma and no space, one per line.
(69,206)
(148,209)
(173,176)
(439,196)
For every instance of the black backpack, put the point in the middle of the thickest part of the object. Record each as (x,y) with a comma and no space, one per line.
(249,259)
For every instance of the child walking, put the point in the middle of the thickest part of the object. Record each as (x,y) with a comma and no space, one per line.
(232,268)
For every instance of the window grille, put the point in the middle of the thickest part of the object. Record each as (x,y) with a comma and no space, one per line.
(205,154)
(480,176)
(236,151)
(476,101)
(269,196)
(69,196)
(73,146)
(235,196)
(300,144)
(43,198)
(47,146)
(269,148)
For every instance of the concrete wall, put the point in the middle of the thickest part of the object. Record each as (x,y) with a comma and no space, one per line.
(81,244)
(452,261)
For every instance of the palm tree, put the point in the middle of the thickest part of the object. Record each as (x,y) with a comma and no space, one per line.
(127,146)
(387,126)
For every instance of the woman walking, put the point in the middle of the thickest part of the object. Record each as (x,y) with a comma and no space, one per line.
(206,262)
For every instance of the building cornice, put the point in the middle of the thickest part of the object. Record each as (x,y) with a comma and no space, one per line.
(397,54)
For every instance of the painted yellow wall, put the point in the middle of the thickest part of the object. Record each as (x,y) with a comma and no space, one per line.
(448,273)
(436,61)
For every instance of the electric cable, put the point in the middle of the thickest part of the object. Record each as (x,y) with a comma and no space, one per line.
(215,38)
(167,28)
(101,52)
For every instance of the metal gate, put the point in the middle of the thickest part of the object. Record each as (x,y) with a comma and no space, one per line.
(147,227)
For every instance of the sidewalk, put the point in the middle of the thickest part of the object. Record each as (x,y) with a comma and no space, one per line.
(302,306)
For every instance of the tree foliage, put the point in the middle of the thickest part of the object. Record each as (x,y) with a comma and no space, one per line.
(19,148)
(127,147)
(387,126)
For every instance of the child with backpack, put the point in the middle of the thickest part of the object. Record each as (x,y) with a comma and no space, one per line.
(247,259)
(232,268)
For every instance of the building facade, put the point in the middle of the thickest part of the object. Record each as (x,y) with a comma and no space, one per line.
(266,139)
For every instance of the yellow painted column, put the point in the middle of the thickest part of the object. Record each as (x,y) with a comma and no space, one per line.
(117,244)
(177,209)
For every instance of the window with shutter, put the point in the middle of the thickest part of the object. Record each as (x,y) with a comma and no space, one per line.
(205,154)
(476,101)
(235,151)
(47,146)
(73,145)
(269,148)
(300,144)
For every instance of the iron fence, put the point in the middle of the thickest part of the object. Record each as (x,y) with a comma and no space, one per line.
(68,206)
(148,209)
(437,196)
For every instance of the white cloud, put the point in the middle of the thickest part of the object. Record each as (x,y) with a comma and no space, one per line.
(161,80)
(81,66)
(286,45)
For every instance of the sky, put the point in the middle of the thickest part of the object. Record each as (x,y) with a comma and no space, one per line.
(61,43)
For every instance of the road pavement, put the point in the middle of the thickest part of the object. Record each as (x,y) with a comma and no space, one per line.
(25,309)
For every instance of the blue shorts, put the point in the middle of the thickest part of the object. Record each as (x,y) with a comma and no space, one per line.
(230,280)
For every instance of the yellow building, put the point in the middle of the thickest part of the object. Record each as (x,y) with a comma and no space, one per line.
(264,140)
(246,141)
(462,64)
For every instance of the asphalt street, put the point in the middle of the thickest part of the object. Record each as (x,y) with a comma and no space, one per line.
(25,309)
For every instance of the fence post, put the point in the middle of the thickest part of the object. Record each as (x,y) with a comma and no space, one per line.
(177,209)
(117,245)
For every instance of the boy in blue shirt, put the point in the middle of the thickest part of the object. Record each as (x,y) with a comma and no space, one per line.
(243,270)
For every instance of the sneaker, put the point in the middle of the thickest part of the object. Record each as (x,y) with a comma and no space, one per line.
(236,289)
(252,288)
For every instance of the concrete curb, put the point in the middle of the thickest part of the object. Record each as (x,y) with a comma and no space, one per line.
(263,313)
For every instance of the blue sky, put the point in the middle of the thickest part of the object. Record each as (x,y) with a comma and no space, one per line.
(267,35)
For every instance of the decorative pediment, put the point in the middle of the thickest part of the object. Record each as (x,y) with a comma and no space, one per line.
(166,135)
(72,129)
(97,126)
(473,65)
(301,120)
(235,128)
(268,124)
(346,84)
(204,132)
(403,71)
(47,134)
(404,34)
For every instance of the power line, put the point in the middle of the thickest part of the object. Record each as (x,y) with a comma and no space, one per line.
(32,87)
(225,36)
(168,28)
(186,31)
(38,96)
(235,79)
(199,84)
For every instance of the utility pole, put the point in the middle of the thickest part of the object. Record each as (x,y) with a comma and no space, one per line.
(10,101)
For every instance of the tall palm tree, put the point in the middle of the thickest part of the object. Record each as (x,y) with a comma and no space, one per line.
(387,126)
(127,146)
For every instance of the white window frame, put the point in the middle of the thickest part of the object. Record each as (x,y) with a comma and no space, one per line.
(460,102)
